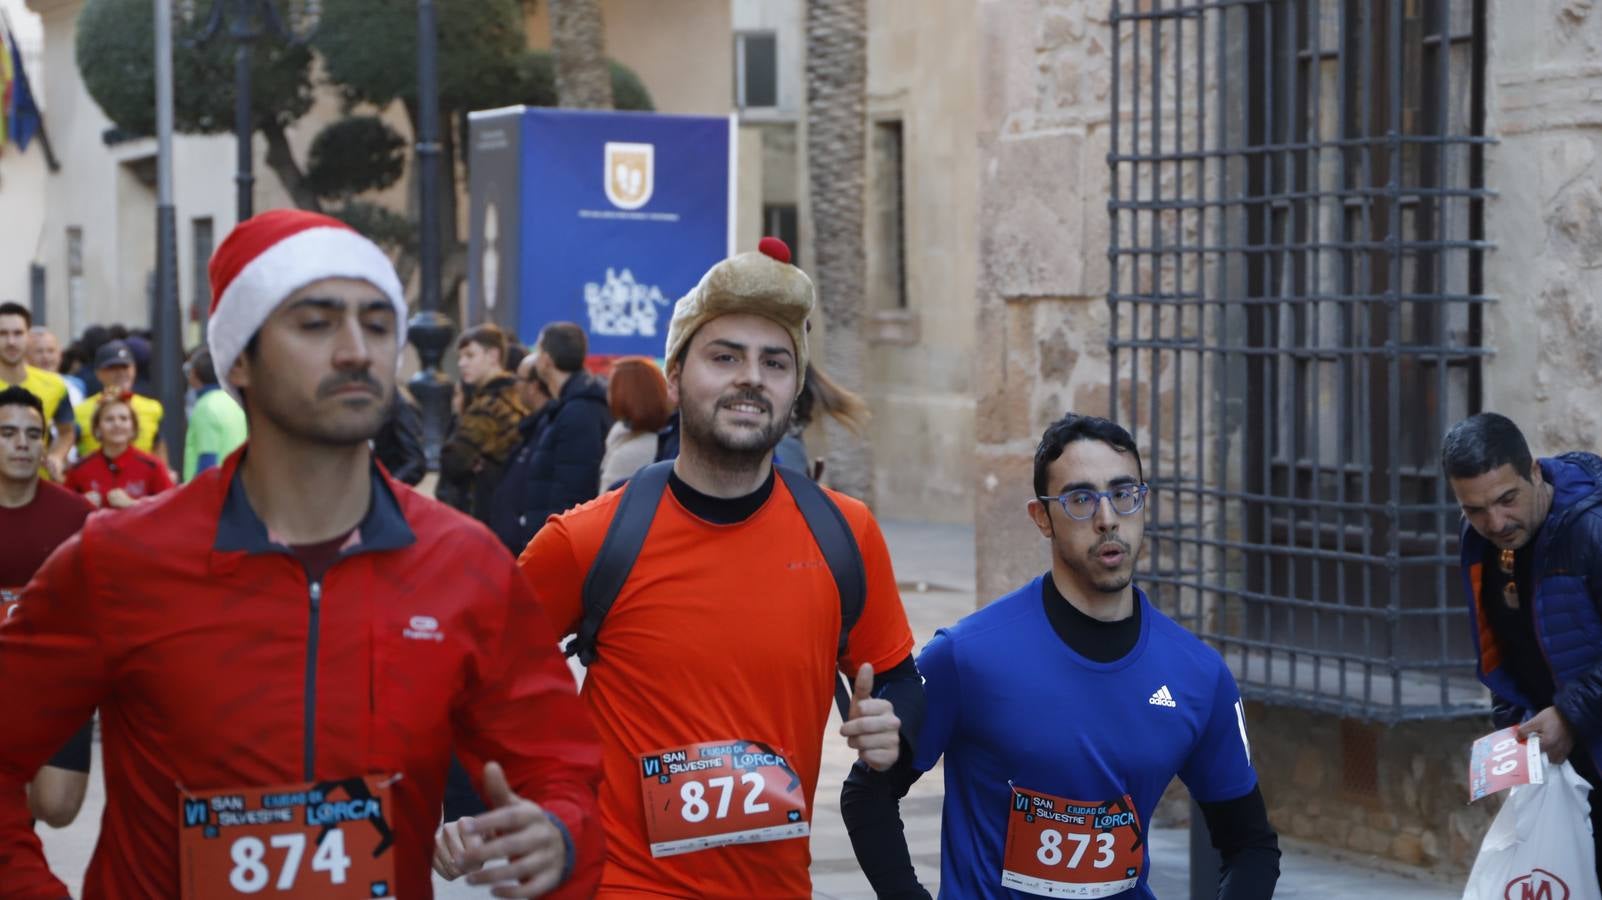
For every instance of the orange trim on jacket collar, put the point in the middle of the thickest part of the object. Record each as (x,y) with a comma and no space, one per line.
(1490,649)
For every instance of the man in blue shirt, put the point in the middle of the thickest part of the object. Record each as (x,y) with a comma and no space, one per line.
(1064,709)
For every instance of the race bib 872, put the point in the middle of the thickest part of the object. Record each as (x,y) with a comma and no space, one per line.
(328,840)
(719,793)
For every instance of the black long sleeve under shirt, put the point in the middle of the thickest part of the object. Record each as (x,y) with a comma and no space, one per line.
(870,800)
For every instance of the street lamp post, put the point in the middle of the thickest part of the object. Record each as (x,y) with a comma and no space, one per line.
(167,321)
(430,331)
(249,21)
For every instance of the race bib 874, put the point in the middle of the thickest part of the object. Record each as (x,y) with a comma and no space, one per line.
(719,793)
(1072,848)
(328,840)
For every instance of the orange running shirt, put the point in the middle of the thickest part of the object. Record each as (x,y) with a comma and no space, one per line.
(723,632)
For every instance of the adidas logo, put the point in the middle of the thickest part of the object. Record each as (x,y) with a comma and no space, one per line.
(1162,698)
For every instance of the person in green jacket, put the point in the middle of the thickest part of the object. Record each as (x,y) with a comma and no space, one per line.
(216,424)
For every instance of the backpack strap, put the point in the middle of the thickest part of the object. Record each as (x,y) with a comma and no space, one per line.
(632,520)
(612,565)
(834,537)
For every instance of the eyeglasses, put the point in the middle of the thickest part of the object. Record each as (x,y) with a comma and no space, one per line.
(1126,500)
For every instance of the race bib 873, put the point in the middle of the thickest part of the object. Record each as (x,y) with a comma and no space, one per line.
(719,793)
(328,840)
(1072,848)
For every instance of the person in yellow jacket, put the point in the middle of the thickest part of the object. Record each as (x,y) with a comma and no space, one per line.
(15,321)
(114,366)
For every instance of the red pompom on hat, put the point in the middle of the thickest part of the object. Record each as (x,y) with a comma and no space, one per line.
(268,257)
(772,246)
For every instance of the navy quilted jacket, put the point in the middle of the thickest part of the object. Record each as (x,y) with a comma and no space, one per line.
(1568,590)
(557,465)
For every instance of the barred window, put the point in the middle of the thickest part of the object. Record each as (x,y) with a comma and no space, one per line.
(1297,285)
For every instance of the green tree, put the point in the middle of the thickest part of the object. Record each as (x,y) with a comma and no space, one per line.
(116,45)
(369,53)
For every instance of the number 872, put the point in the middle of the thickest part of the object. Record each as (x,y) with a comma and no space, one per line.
(696,808)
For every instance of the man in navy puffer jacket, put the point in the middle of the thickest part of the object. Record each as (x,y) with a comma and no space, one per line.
(1532,574)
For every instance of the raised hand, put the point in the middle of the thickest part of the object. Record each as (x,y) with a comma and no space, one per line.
(871,727)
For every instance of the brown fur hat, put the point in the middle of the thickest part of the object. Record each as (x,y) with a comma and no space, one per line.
(762,283)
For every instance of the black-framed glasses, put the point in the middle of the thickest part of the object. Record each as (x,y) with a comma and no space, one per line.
(1126,500)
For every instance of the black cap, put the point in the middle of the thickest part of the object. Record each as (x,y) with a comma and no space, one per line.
(113,353)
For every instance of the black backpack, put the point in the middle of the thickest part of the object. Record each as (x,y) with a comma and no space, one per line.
(632,521)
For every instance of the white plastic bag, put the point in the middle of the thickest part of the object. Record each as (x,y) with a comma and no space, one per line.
(1539,845)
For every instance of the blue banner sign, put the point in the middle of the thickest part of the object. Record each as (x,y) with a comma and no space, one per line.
(599,218)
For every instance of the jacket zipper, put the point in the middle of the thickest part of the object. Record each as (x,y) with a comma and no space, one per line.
(312,631)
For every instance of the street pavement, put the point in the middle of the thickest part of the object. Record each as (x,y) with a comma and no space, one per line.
(934,564)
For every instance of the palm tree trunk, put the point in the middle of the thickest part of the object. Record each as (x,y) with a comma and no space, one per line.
(578,44)
(837,71)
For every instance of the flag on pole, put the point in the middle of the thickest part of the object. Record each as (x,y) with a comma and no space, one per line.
(22,116)
(5,86)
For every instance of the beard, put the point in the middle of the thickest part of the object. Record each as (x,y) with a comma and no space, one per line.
(1089,569)
(349,425)
(731,448)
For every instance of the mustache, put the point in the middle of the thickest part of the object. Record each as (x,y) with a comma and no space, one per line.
(752,397)
(339,382)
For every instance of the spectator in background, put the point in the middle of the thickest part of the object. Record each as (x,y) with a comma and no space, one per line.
(117,475)
(114,369)
(94,337)
(820,394)
(139,343)
(37,517)
(485,435)
(637,395)
(217,421)
(558,465)
(15,321)
(44,352)
(532,389)
(72,362)
(399,444)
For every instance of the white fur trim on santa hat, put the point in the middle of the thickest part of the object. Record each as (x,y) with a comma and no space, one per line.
(286,267)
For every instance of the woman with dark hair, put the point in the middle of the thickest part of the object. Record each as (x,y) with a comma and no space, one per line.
(118,475)
(820,394)
(637,395)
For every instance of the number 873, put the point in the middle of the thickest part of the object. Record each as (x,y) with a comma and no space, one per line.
(1051,850)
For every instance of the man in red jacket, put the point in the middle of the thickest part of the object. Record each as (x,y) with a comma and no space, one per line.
(286,651)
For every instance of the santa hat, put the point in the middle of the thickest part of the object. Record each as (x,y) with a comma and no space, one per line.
(268,257)
(762,283)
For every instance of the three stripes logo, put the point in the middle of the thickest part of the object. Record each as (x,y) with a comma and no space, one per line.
(1163,698)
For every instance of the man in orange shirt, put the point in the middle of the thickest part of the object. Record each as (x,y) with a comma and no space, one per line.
(714,668)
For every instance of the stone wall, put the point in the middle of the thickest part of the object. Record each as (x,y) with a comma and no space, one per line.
(1398,793)
(918,377)
(1045,73)
(1544,84)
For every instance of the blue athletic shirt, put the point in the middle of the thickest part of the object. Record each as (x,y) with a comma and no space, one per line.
(1009,702)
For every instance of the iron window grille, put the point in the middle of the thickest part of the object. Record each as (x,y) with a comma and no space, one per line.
(1297,245)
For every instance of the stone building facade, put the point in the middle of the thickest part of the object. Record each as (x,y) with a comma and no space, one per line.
(1350,774)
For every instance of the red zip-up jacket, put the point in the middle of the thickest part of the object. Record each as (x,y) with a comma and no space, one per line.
(215,663)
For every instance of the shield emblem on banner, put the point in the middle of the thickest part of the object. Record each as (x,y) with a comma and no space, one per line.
(630,175)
